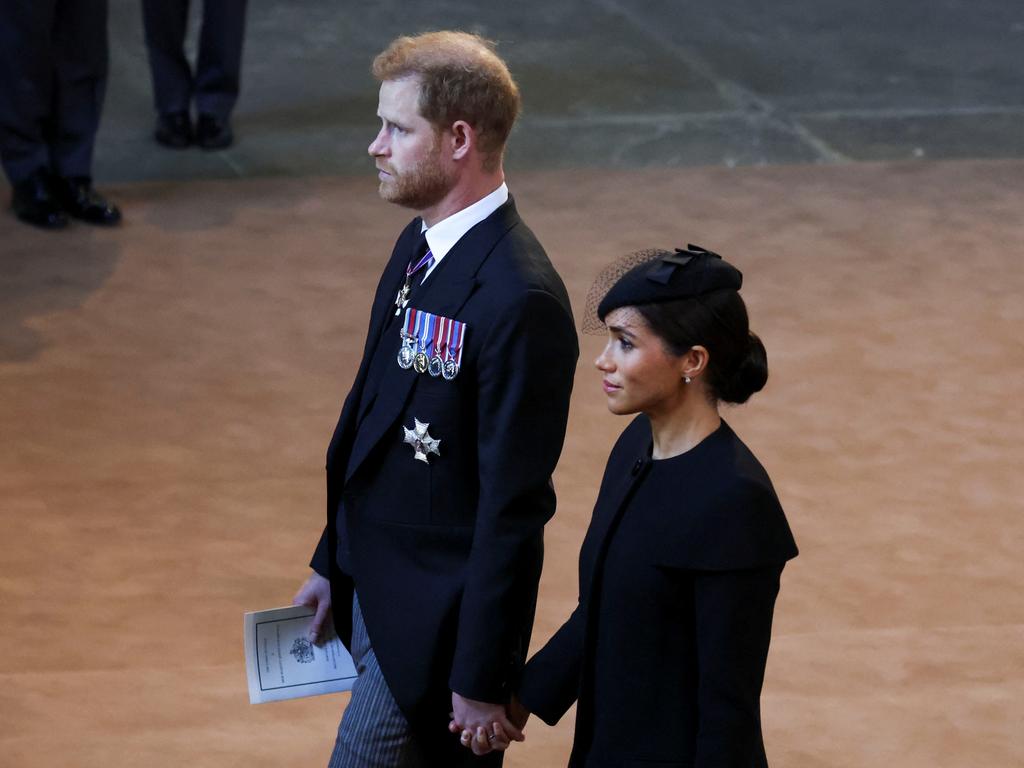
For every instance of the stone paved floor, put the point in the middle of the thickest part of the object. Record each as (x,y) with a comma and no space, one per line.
(167,391)
(616,83)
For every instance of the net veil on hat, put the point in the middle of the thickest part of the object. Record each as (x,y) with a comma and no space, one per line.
(654,275)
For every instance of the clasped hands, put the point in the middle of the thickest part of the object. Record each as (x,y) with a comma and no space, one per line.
(486,727)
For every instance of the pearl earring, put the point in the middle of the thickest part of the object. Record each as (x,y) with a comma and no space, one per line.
(686,379)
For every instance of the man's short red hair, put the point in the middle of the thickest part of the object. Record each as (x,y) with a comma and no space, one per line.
(461,78)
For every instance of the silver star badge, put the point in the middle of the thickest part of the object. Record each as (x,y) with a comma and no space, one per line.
(421,441)
(402,299)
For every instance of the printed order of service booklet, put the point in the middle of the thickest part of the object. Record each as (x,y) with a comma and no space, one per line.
(281,663)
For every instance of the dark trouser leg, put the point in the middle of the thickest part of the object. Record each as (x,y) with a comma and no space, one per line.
(80,56)
(219,69)
(26,85)
(165,23)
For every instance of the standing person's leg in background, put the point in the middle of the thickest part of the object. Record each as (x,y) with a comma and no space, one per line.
(26,94)
(165,23)
(219,70)
(80,56)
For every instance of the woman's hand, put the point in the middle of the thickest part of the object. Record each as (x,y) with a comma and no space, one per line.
(482,742)
(498,738)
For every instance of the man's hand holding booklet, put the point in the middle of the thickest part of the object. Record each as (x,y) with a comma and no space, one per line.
(281,662)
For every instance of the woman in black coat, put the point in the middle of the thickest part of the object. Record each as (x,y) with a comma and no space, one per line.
(680,568)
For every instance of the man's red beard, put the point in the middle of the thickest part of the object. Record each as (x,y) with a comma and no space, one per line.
(421,186)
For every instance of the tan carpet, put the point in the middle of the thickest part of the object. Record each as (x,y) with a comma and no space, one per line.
(167,391)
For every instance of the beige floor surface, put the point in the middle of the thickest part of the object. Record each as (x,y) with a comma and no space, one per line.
(167,391)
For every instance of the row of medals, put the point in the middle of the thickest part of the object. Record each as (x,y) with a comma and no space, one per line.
(409,356)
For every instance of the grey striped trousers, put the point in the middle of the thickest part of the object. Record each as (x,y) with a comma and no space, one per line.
(373,731)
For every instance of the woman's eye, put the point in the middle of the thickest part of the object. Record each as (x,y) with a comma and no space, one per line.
(625,343)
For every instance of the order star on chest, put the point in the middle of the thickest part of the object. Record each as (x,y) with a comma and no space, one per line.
(421,441)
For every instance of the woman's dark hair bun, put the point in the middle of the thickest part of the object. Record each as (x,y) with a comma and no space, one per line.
(749,375)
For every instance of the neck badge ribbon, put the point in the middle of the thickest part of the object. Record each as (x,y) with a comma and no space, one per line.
(402,299)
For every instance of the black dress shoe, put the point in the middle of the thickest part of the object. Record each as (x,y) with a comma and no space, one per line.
(78,198)
(213,133)
(34,204)
(174,130)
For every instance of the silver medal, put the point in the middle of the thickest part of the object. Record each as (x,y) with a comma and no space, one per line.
(405,356)
(422,443)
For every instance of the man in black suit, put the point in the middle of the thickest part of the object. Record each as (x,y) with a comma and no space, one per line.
(213,83)
(53,74)
(438,473)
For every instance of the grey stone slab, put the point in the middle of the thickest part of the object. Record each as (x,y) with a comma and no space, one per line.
(829,54)
(139,158)
(916,136)
(728,140)
(128,108)
(571,57)
(624,82)
(303,152)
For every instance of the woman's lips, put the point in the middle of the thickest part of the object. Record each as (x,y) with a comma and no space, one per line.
(609,387)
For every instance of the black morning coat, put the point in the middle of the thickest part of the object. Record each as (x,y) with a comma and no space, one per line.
(666,650)
(446,555)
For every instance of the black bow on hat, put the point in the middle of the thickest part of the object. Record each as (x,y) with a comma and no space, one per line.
(682,274)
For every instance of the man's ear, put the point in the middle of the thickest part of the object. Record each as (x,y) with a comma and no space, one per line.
(462,139)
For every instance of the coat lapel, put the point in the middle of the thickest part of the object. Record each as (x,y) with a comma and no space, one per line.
(383,304)
(445,293)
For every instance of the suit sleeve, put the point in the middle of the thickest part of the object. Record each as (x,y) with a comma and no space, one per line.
(321,561)
(525,377)
(734,620)
(550,683)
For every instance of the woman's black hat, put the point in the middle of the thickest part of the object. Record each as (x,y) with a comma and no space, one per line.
(667,276)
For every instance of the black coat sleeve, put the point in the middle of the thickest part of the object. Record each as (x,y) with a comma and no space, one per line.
(733,615)
(321,561)
(551,680)
(526,372)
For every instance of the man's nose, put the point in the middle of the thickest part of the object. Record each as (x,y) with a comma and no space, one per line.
(376,147)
